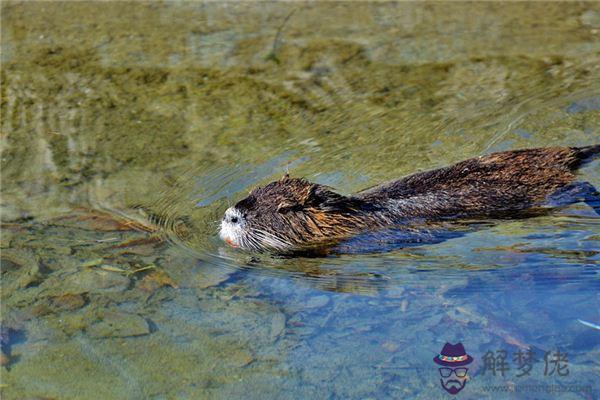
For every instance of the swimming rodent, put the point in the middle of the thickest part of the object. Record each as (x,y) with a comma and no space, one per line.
(293,213)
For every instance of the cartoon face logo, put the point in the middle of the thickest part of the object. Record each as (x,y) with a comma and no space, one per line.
(453,372)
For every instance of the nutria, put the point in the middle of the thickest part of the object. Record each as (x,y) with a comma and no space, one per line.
(293,213)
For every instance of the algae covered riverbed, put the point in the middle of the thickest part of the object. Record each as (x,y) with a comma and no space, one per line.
(128,128)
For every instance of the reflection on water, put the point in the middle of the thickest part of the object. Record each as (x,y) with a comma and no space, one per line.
(124,140)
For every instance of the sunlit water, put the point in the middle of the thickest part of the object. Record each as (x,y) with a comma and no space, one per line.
(128,129)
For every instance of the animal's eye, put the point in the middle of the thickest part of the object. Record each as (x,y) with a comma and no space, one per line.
(234,220)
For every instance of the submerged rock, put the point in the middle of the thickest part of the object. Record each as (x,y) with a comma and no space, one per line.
(317,301)
(92,281)
(4,359)
(240,358)
(56,304)
(23,265)
(155,280)
(117,324)
(591,18)
(211,277)
(277,326)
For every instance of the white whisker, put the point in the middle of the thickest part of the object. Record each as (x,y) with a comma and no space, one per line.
(271,239)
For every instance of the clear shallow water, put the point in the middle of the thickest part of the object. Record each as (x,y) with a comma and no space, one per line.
(124,140)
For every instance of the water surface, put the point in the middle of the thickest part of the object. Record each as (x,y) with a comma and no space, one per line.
(128,128)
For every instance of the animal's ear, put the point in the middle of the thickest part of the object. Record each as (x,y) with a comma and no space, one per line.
(287,206)
(308,199)
(323,198)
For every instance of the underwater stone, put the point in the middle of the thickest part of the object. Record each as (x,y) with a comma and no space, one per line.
(60,303)
(4,359)
(32,277)
(94,281)
(591,18)
(317,302)
(240,358)
(25,265)
(117,324)
(277,325)
(10,213)
(210,278)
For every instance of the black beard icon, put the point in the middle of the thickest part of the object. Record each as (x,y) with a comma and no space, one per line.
(453,389)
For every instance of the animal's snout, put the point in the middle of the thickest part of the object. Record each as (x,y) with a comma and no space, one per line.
(232,226)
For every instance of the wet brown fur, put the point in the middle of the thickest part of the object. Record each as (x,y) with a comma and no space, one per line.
(298,212)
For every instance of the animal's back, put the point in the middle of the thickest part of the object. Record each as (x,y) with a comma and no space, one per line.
(488,185)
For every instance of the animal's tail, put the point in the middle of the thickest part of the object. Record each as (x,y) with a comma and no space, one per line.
(587,153)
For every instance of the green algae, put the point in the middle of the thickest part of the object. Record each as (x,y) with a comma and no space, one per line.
(97,104)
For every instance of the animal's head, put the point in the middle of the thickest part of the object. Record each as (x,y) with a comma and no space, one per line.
(287,214)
